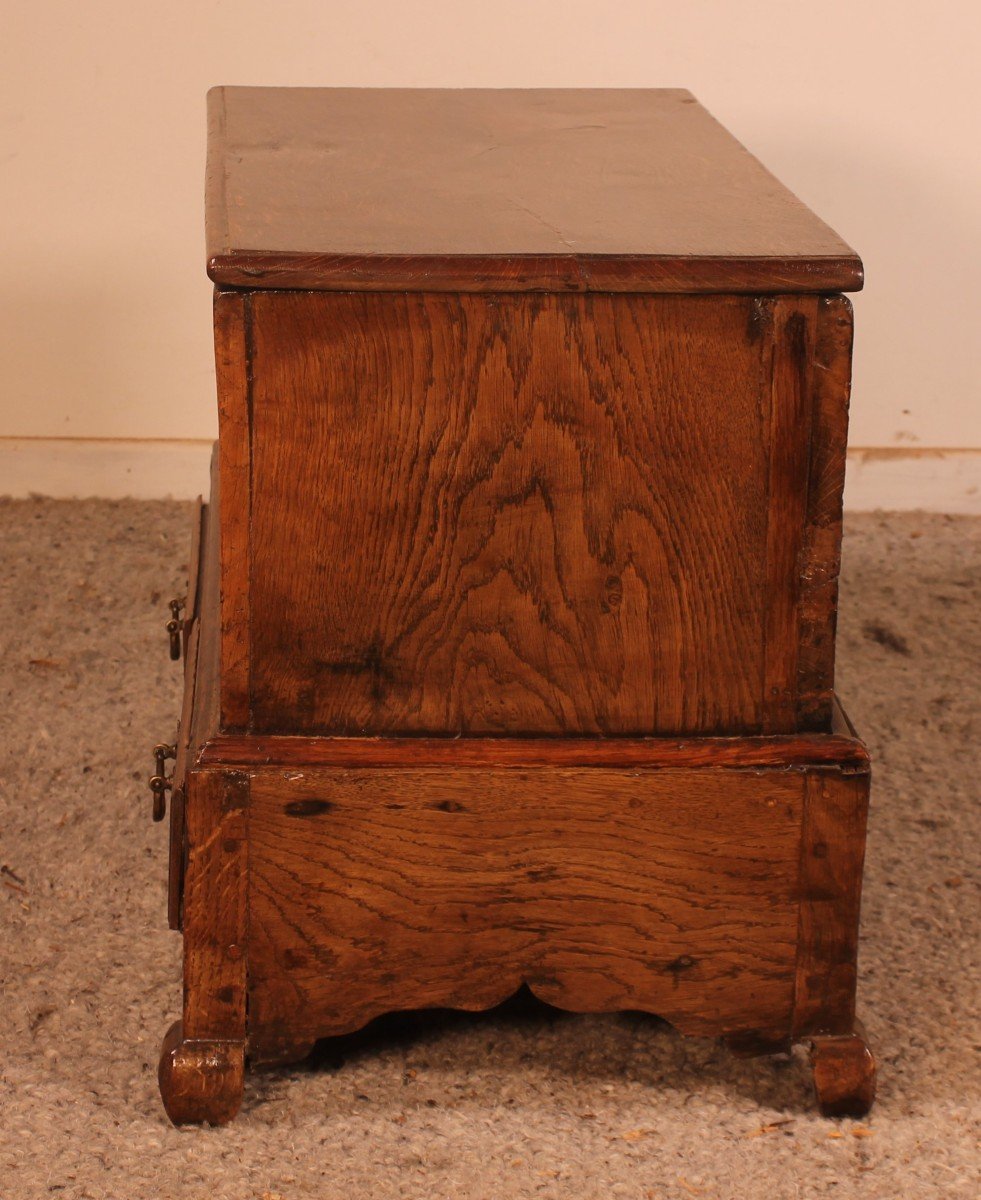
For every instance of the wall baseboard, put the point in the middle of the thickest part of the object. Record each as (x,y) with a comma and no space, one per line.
(942,481)
(68,468)
(109,468)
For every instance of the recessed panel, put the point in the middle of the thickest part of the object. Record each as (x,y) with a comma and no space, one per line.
(505,514)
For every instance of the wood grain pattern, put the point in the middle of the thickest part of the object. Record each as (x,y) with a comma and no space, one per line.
(509,514)
(791,750)
(667,275)
(821,548)
(215,900)
(376,890)
(789,323)
(832,858)
(493,190)
(232,355)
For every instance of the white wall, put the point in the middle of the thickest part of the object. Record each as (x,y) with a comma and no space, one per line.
(868,109)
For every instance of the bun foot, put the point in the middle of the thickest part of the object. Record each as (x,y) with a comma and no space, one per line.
(201,1082)
(844,1073)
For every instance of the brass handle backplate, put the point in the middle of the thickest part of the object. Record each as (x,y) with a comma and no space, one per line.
(160,783)
(175,627)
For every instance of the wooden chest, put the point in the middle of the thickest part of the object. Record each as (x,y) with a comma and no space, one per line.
(510,646)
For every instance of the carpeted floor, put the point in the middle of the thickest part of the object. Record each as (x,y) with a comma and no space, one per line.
(518,1103)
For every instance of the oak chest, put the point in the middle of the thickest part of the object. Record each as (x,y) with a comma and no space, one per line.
(509,646)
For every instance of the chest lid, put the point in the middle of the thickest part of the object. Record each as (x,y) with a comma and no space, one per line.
(500,190)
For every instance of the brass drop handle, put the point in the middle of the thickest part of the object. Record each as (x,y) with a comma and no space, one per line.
(175,626)
(160,784)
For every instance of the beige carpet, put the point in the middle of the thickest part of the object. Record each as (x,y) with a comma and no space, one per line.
(519,1103)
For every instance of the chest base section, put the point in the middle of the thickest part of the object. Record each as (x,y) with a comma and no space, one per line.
(714,882)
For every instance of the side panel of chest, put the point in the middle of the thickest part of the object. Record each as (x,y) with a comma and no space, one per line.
(530,514)
(669,891)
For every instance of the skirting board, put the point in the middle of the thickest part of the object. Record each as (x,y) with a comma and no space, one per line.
(934,480)
(109,468)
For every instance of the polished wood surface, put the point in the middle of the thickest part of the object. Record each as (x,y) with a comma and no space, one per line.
(520,752)
(670,891)
(545,515)
(215,906)
(721,896)
(820,552)
(832,856)
(788,354)
(232,369)
(500,190)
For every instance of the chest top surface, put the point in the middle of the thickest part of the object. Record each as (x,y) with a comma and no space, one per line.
(500,190)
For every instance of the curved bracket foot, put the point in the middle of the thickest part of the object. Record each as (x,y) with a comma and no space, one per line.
(844,1073)
(201,1082)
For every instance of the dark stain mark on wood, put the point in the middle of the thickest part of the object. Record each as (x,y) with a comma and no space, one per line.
(542,874)
(677,967)
(797,336)
(371,663)
(307,808)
